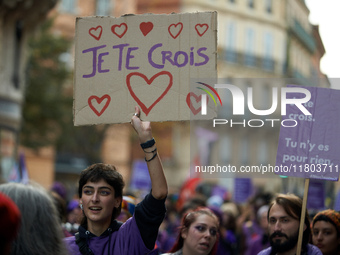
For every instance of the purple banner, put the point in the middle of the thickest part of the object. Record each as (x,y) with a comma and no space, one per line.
(316,195)
(311,148)
(219,191)
(243,189)
(140,179)
(337,202)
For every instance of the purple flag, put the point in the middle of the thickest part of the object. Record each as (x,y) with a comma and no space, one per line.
(311,148)
(140,179)
(14,175)
(337,202)
(316,195)
(243,189)
(23,168)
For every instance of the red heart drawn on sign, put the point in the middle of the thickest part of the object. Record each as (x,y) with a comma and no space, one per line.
(189,102)
(145,109)
(99,104)
(119,30)
(96,34)
(174,31)
(201,29)
(146,27)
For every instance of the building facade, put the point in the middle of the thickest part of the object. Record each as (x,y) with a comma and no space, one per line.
(261,43)
(18,20)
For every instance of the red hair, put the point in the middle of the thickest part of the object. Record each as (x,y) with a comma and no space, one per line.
(187,220)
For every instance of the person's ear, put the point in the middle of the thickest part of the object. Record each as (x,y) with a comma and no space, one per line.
(117,202)
(184,233)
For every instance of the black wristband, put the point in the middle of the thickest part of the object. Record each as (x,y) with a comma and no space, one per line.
(148,144)
(148,160)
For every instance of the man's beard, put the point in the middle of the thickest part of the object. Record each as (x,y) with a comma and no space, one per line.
(283,246)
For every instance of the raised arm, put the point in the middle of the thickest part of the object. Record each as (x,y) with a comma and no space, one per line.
(158,181)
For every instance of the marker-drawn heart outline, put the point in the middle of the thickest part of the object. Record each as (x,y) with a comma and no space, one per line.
(201,25)
(198,99)
(99,101)
(175,25)
(95,29)
(114,31)
(145,109)
(146,27)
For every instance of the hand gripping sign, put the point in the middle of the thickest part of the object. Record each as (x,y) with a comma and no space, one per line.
(145,60)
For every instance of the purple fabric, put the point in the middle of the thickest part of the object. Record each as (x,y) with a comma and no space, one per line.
(316,195)
(140,179)
(255,245)
(337,202)
(251,231)
(243,189)
(228,245)
(59,188)
(126,241)
(315,141)
(73,204)
(312,250)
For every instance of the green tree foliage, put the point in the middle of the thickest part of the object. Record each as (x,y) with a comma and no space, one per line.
(45,103)
(47,112)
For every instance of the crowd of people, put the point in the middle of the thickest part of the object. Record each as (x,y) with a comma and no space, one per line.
(104,220)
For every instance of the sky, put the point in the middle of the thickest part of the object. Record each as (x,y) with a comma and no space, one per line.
(326,14)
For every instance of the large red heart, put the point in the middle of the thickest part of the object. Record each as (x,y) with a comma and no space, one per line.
(201,29)
(198,99)
(146,27)
(96,34)
(99,102)
(172,29)
(116,29)
(145,109)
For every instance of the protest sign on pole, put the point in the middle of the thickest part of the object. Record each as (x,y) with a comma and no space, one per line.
(145,60)
(310,148)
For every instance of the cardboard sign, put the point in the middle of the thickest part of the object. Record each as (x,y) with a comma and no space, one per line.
(141,60)
(311,148)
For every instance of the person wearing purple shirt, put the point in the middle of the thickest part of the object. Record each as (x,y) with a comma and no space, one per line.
(100,191)
(283,225)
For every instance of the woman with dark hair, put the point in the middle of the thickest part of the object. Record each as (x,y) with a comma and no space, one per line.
(40,230)
(100,192)
(198,234)
(326,232)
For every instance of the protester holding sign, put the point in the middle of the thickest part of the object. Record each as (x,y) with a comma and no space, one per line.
(100,191)
(283,223)
(198,234)
(326,232)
